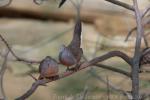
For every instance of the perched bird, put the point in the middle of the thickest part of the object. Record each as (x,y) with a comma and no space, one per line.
(48,68)
(145,56)
(61,3)
(71,54)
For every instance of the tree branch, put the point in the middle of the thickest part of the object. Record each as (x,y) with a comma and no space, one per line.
(145,11)
(114,69)
(81,67)
(2,72)
(12,52)
(111,68)
(5,4)
(135,28)
(112,86)
(111,54)
(137,53)
(122,4)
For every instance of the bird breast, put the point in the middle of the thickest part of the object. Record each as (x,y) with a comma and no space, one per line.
(67,58)
(49,69)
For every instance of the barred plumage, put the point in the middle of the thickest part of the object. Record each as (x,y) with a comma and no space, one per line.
(48,68)
(145,56)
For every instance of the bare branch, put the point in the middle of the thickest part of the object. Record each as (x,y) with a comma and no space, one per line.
(2,72)
(108,88)
(111,68)
(122,4)
(84,93)
(39,2)
(111,85)
(114,69)
(137,53)
(111,54)
(4,3)
(145,22)
(145,11)
(81,67)
(12,52)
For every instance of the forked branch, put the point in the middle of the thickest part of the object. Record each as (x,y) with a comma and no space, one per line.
(81,67)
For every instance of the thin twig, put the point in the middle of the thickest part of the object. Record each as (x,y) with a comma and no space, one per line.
(84,93)
(145,11)
(111,54)
(81,67)
(122,4)
(112,68)
(111,85)
(135,28)
(108,88)
(12,52)
(2,72)
(7,4)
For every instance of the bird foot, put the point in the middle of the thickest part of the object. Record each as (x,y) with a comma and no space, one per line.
(75,68)
(70,69)
(53,77)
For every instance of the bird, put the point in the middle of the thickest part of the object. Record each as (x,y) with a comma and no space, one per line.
(71,54)
(145,56)
(61,3)
(48,68)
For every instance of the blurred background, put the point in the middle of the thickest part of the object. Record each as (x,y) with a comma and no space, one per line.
(35,31)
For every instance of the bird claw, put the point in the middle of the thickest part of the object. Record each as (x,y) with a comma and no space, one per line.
(54,77)
(76,68)
(68,69)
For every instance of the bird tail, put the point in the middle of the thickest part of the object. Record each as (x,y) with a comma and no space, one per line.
(78,26)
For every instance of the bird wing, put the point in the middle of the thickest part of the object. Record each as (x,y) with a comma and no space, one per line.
(41,65)
(67,57)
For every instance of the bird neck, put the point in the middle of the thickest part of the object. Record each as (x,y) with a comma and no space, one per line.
(76,40)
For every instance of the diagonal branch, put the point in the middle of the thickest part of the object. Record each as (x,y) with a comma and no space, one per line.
(135,28)
(145,11)
(12,52)
(81,67)
(111,85)
(122,4)
(114,69)
(2,72)
(128,74)
(111,54)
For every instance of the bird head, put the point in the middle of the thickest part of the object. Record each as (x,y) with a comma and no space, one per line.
(48,58)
